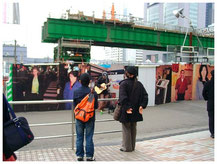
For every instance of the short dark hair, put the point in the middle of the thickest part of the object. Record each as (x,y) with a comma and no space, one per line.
(182,70)
(131,70)
(85,79)
(74,73)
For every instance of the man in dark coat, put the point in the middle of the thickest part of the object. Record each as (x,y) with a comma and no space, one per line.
(133,98)
(208,94)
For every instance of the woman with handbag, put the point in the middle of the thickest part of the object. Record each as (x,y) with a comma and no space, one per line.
(133,98)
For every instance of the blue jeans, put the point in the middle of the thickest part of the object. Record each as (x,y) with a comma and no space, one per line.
(88,127)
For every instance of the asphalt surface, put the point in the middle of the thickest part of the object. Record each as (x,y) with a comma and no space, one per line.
(159,121)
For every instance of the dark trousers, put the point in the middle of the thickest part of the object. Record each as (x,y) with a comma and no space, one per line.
(211,122)
(129,136)
(181,96)
(34,97)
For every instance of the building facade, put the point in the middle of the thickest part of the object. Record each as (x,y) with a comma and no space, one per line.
(12,55)
(114,54)
(209,14)
(201,14)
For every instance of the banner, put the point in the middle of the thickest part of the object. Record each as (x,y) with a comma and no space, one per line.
(163,84)
(201,74)
(182,83)
(53,82)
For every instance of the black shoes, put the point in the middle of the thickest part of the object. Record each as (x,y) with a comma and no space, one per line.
(90,159)
(121,149)
(80,159)
(87,159)
(212,136)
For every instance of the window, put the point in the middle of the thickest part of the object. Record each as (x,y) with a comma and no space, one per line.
(168,57)
(193,13)
(169,18)
(153,14)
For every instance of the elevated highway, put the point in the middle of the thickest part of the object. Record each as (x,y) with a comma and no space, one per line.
(113,33)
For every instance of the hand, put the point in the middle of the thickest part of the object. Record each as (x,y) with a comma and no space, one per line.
(129,111)
(58,91)
(102,86)
(140,109)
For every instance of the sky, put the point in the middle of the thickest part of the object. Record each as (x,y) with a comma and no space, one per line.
(33,13)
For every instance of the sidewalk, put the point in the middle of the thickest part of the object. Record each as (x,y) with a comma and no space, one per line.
(196,146)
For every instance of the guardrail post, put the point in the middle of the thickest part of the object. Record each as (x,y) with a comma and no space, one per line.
(73,129)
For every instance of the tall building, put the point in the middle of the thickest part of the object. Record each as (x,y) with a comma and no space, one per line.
(153,11)
(114,54)
(209,14)
(11,12)
(139,56)
(201,14)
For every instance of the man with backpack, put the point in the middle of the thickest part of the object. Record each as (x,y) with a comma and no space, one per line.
(85,102)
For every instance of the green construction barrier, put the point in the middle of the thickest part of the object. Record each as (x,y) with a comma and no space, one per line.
(9,84)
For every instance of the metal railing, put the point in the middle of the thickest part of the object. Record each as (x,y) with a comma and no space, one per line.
(64,123)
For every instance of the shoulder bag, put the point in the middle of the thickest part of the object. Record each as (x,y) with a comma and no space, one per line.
(16,131)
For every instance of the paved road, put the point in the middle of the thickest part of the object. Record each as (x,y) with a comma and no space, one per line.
(161,120)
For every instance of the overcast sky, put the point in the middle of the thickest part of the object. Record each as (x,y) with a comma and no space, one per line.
(33,13)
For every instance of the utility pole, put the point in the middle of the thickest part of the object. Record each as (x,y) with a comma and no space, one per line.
(15,50)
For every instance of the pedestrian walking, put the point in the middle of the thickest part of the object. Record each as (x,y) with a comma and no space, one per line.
(86,128)
(133,98)
(208,94)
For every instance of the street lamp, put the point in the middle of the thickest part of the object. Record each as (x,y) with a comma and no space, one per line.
(179,13)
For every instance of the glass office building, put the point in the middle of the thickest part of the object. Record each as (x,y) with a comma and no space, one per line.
(169,18)
(200,14)
(193,13)
(153,13)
